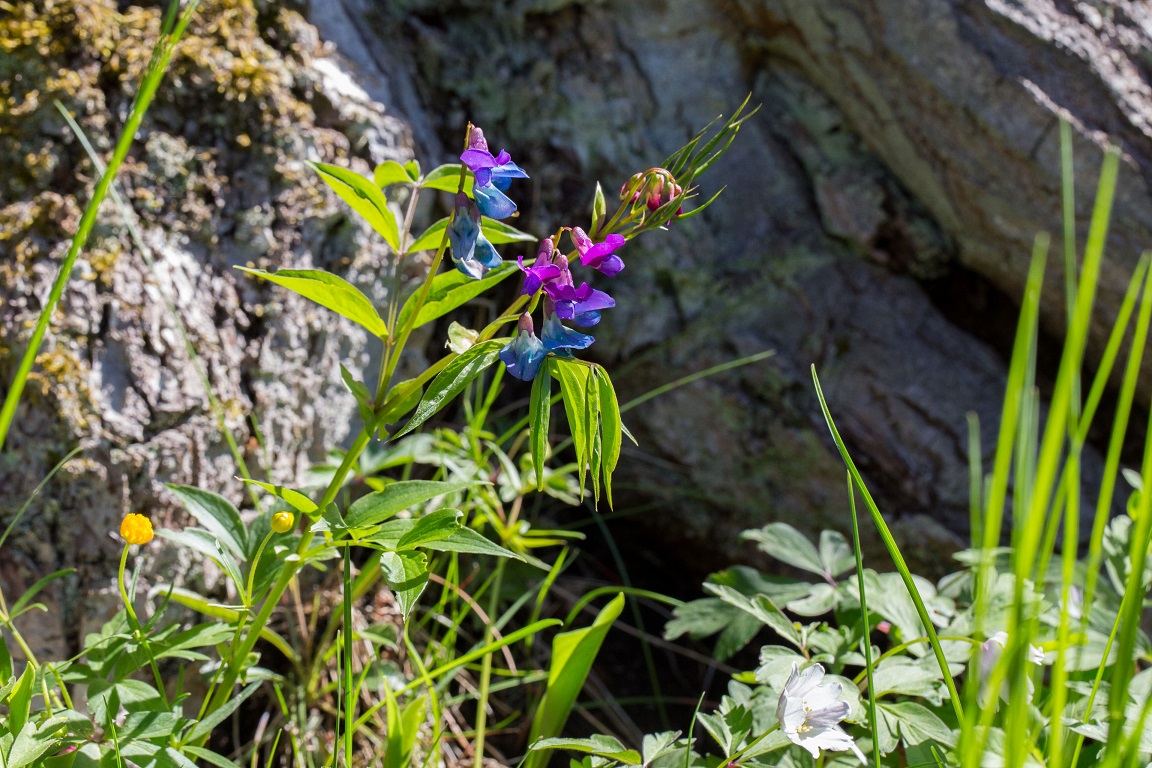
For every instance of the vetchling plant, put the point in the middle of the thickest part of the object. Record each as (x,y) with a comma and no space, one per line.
(149,690)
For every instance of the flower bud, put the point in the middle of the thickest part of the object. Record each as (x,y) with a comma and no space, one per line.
(630,191)
(136,529)
(476,139)
(525,324)
(283,521)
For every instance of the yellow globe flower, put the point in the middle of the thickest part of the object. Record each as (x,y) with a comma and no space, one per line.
(136,529)
(282,522)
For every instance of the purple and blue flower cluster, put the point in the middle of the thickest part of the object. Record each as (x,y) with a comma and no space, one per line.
(550,273)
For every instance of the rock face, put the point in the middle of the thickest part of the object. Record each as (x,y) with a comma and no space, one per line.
(878,221)
(217,178)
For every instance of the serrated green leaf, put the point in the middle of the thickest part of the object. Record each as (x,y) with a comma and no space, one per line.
(612,430)
(446,178)
(452,380)
(148,725)
(329,291)
(407,575)
(431,527)
(450,290)
(377,507)
(788,545)
(294,499)
(390,172)
(539,413)
(365,198)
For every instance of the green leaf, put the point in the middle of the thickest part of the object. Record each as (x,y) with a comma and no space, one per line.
(539,413)
(450,290)
(190,599)
(377,507)
(209,756)
(5,664)
(499,233)
(431,238)
(407,574)
(365,198)
(452,380)
(466,540)
(294,499)
(329,291)
(20,699)
(592,429)
(918,724)
(572,656)
(26,598)
(612,430)
(33,741)
(200,636)
(431,527)
(390,172)
(405,396)
(360,392)
(573,379)
(604,746)
(599,209)
(209,545)
(902,675)
(412,168)
(836,554)
(787,545)
(217,515)
(148,725)
(446,178)
(203,728)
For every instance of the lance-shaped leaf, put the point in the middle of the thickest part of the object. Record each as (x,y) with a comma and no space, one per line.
(329,291)
(364,197)
(450,290)
(573,378)
(217,515)
(539,413)
(431,527)
(592,429)
(612,430)
(391,172)
(377,507)
(452,380)
(572,656)
(295,499)
(407,574)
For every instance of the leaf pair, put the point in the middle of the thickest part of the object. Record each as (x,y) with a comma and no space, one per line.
(593,418)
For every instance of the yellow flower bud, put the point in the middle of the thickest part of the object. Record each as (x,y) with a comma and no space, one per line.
(282,522)
(136,529)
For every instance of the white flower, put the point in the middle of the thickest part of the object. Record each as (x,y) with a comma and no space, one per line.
(810,712)
(990,652)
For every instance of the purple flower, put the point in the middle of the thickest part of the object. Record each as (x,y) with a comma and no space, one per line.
(599,255)
(556,336)
(542,271)
(471,252)
(497,171)
(581,305)
(523,354)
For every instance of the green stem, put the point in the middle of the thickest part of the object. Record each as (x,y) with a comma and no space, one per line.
(137,628)
(349,693)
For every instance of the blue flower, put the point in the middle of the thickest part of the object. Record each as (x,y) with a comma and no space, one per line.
(493,203)
(556,336)
(471,252)
(523,354)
